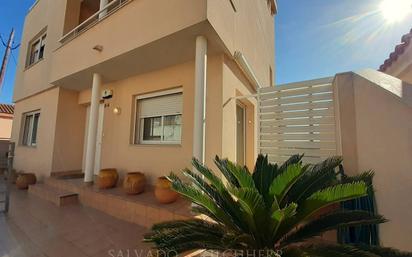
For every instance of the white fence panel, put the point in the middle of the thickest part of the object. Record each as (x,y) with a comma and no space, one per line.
(298,118)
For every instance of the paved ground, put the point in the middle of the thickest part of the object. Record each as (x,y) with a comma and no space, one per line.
(37,228)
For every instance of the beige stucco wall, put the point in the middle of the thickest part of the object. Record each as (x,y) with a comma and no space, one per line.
(235,85)
(47,15)
(224,81)
(69,133)
(376,129)
(151,21)
(156,160)
(36,159)
(6,123)
(249,29)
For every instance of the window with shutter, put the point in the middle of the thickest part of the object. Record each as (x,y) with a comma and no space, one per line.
(159,118)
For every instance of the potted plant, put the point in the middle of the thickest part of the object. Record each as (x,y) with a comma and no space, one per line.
(273,211)
(134,183)
(107,178)
(163,191)
(25,179)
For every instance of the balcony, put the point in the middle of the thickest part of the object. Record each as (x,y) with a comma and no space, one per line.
(128,37)
(81,16)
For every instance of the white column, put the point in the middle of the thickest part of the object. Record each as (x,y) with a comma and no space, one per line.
(103,3)
(200,99)
(92,130)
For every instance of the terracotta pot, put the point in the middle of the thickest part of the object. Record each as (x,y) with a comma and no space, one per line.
(163,192)
(25,179)
(107,178)
(134,183)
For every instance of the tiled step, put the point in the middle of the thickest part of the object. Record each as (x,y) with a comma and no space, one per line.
(142,209)
(54,195)
(68,174)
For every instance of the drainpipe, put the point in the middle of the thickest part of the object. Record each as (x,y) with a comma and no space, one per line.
(103,4)
(240,59)
(200,99)
(92,130)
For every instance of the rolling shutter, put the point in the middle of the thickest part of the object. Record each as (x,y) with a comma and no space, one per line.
(160,105)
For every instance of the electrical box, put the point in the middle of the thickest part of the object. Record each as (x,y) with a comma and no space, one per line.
(107,94)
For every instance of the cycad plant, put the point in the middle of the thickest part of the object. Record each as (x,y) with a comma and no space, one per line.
(274,209)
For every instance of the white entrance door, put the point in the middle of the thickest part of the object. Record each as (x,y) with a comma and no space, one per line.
(99,139)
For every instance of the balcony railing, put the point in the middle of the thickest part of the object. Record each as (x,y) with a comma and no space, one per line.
(103,13)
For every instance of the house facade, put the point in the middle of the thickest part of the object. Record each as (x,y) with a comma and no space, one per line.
(140,85)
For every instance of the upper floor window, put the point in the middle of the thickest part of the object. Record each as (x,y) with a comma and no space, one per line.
(36,50)
(159,118)
(30,125)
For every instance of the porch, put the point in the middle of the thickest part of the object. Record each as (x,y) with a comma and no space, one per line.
(143,209)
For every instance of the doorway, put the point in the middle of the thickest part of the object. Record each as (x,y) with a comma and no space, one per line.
(240,134)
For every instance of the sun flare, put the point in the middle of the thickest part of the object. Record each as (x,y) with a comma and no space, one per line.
(395,10)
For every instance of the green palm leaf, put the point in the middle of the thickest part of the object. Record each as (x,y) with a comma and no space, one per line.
(316,178)
(201,199)
(273,209)
(282,183)
(223,199)
(293,160)
(331,195)
(332,221)
(322,199)
(263,176)
(242,175)
(281,215)
(224,168)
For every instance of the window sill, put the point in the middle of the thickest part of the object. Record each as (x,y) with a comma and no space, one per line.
(28,146)
(156,145)
(33,64)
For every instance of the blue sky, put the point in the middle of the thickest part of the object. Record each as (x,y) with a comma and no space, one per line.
(12,15)
(314,38)
(319,38)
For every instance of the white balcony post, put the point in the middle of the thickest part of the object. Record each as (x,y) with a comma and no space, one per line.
(103,4)
(200,99)
(92,130)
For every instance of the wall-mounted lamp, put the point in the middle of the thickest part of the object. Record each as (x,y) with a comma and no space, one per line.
(117,110)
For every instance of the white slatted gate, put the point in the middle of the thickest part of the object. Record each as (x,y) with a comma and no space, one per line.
(298,118)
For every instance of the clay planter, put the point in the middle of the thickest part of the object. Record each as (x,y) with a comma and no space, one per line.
(134,183)
(24,180)
(163,192)
(107,178)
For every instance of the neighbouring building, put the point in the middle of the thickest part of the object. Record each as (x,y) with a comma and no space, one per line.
(399,62)
(140,85)
(6,121)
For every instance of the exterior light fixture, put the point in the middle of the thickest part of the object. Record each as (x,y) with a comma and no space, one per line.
(117,110)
